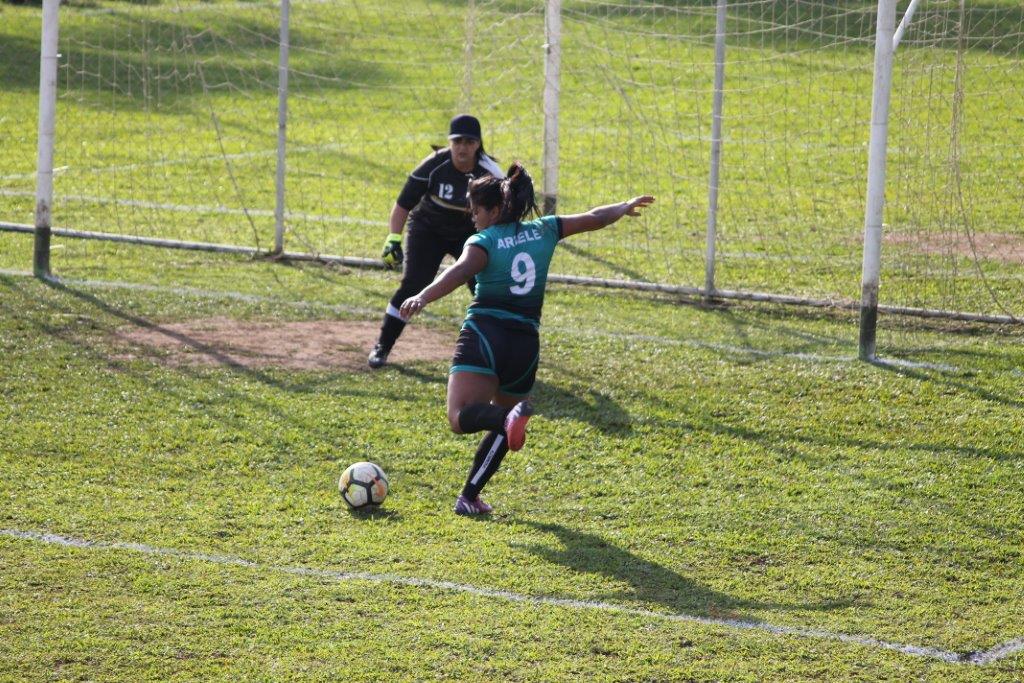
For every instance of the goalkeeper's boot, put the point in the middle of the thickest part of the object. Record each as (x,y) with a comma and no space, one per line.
(378,357)
(515,424)
(465,506)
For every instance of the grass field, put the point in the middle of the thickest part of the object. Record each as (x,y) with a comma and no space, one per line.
(720,494)
(167,128)
(707,494)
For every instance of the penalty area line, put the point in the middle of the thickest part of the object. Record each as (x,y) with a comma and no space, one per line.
(974,657)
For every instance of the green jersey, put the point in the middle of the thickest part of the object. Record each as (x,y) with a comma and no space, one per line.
(511,285)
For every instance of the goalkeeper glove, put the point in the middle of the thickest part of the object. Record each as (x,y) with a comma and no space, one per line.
(392,254)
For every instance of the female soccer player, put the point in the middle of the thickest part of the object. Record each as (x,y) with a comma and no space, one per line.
(435,202)
(496,354)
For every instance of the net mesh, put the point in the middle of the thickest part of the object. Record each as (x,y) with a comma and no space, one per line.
(167,127)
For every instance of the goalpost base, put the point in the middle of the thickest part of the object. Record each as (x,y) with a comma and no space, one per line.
(41,253)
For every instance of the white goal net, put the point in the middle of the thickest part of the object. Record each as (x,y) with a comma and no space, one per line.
(167,127)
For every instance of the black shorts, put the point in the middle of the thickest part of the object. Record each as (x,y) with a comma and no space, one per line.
(505,349)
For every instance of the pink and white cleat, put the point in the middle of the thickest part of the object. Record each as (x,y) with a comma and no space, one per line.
(515,424)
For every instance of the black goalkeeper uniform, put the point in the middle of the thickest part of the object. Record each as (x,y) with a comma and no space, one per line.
(436,195)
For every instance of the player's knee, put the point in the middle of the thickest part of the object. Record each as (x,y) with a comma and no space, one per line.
(453,420)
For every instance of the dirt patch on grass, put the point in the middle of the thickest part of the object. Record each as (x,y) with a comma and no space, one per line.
(996,246)
(304,345)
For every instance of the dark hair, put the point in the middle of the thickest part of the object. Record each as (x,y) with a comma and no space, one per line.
(480,151)
(514,194)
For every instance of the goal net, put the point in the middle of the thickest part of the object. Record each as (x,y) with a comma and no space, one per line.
(167,127)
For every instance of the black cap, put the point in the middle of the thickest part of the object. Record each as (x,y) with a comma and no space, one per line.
(464,126)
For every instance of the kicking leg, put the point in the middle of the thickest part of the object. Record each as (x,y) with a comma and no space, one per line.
(493,448)
(470,410)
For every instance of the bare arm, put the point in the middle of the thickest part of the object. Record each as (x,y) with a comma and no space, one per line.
(603,216)
(397,221)
(471,262)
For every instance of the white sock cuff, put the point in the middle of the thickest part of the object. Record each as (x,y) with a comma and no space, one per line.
(395,313)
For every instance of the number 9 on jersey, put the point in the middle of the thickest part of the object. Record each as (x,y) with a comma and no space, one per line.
(524,273)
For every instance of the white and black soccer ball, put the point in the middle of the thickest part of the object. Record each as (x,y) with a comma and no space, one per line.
(363,485)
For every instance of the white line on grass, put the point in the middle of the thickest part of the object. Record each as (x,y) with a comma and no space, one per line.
(986,657)
(713,346)
(811,357)
(32,175)
(1008,648)
(914,365)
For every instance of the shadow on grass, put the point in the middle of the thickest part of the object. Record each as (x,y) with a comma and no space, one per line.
(587,405)
(649,582)
(590,406)
(954,381)
(779,441)
(922,371)
(190,342)
(372,513)
(270,412)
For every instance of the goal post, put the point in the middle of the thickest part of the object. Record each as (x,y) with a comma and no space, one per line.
(282,129)
(711,232)
(552,90)
(47,126)
(877,146)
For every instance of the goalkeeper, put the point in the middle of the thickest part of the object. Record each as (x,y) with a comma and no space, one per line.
(434,203)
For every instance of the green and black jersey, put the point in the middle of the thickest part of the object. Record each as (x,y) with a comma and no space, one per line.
(511,286)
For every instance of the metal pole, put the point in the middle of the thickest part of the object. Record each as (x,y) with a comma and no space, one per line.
(716,152)
(47,127)
(552,87)
(882,88)
(282,127)
(904,23)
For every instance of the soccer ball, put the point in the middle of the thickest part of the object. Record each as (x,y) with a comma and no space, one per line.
(363,484)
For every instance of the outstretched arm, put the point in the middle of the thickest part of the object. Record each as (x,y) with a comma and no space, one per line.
(602,216)
(471,262)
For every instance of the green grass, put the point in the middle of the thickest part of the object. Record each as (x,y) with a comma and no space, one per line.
(174,105)
(730,463)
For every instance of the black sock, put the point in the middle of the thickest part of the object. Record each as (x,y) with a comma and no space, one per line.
(477,417)
(489,455)
(390,330)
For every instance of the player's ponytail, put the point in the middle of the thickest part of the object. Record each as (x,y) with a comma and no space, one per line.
(512,194)
(518,199)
